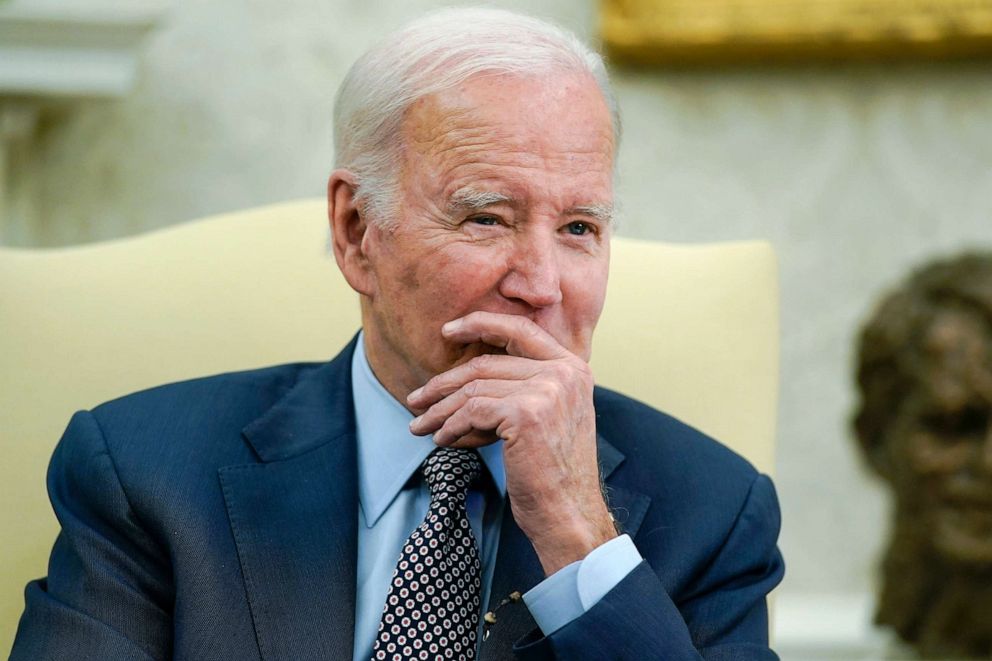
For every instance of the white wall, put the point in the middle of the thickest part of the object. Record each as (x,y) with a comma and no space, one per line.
(855,173)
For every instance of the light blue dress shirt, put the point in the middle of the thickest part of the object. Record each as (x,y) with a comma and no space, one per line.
(392,505)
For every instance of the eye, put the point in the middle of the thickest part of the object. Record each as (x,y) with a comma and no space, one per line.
(485,220)
(966,422)
(579,228)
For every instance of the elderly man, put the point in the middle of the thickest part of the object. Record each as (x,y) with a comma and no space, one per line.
(396,502)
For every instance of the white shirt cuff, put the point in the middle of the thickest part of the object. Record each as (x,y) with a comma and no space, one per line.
(575,588)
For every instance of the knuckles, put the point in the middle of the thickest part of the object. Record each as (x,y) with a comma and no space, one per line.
(533,412)
(528,328)
(551,389)
(481,365)
(557,390)
(474,407)
(472,388)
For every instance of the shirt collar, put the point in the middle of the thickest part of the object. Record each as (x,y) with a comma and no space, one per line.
(388,454)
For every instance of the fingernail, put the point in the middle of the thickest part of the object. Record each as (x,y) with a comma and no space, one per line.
(416,421)
(451,326)
(415,394)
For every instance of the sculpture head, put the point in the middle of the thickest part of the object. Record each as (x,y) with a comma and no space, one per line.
(925,426)
(925,423)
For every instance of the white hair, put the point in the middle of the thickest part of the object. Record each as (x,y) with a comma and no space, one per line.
(435,53)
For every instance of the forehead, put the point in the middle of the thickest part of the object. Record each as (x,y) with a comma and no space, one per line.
(573,99)
(957,365)
(559,125)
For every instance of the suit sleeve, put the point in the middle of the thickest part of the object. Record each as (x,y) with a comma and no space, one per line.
(722,616)
(107,595)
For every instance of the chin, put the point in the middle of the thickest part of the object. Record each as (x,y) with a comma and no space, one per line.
(964,536)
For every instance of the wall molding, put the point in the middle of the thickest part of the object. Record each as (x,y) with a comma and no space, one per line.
(71,53)
(57,56)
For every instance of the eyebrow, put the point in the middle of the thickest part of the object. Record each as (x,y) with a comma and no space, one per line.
(471,199)
(601,212)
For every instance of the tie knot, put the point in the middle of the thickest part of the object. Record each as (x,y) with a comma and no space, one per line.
(450,471)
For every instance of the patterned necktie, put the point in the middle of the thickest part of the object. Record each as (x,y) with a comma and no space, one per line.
(432,610)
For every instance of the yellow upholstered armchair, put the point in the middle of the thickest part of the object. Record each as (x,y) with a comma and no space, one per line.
(692,330)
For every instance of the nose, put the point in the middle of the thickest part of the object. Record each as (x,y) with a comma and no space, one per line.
(533,273)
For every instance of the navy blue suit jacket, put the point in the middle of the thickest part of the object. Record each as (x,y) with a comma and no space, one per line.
(217,519)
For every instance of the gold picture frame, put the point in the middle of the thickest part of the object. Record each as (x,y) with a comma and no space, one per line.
(728,31)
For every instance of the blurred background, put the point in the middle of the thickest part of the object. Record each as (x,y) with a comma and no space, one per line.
(855,169)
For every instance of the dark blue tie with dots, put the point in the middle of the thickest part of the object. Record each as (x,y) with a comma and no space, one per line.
(432,610)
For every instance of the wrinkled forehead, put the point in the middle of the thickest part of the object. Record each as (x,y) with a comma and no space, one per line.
(507,108)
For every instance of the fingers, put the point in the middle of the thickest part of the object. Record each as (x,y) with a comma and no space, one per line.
(479,414)
(481,368)
(518,335)
(435,416)
(464,405)
(474,439)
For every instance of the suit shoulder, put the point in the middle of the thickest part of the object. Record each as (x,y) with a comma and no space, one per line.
(266,383)
(187,413)
(664,445)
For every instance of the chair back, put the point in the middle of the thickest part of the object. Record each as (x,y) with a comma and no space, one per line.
(689,329)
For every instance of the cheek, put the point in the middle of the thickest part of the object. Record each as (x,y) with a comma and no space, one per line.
(586,288)
(409,278)
(448,284)
(934,455)
(597,297)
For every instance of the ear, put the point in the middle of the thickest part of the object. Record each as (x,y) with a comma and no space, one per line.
(348,227)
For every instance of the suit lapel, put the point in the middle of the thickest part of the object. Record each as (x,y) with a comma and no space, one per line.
(627,507)
(294,518)
(519,569)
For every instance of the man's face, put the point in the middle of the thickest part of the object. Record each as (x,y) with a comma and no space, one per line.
(943,438)
(506,188)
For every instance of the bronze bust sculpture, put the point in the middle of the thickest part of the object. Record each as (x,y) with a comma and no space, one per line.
(925,426)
